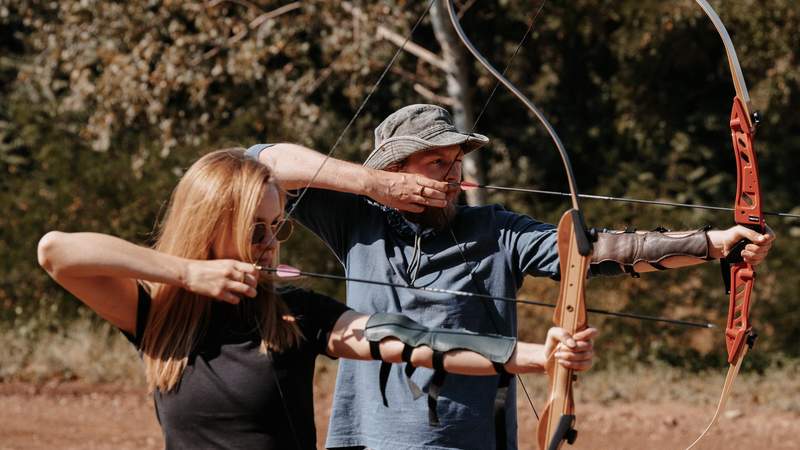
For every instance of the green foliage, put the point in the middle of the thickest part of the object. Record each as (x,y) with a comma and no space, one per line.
(106,103)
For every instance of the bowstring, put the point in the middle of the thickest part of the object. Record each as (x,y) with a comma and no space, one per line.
(302,194)
(496,86)
(347,127)
(531,23)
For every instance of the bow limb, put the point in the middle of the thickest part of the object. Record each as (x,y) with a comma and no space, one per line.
(730,51)
(739,276)
(528,104)
(557,421)
(733,371)
(743,126)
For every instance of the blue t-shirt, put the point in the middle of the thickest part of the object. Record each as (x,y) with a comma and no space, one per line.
(376,243)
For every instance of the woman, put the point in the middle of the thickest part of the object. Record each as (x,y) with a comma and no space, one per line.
(229,358)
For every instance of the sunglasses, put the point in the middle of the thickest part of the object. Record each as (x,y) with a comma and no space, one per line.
(281,231)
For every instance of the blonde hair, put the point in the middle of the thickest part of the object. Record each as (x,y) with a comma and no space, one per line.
(216,199)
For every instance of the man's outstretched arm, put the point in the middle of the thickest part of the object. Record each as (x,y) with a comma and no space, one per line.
(650,251)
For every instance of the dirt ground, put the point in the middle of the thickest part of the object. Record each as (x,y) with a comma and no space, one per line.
(107,416)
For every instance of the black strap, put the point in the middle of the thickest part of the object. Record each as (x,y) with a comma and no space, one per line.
(435,387)
(500,399)
(630,271)
(438,361)
(658,266)
(384,379)
(406,355)
(142,312)
(416,392)
(500,368)
(375,350)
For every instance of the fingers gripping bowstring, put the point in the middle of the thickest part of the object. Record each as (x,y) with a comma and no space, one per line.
(347,127)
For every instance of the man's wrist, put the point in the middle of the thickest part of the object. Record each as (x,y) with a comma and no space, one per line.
(714,251)
(370,183)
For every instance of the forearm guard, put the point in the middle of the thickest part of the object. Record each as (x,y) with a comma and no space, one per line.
(496,348)
(629,248)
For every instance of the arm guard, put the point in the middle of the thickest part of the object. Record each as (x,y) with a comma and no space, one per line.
(496,348)
(628,248)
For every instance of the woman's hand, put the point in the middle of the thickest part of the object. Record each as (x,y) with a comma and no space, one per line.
(722,241)
(408,191)
(222,279)
(573,352)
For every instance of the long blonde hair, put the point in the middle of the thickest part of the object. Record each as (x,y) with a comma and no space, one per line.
(216,199)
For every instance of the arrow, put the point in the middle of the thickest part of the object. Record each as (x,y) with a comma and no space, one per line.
(284,271)
(468,185)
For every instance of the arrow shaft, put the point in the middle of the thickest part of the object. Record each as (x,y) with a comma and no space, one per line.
(494,298)
(623,199)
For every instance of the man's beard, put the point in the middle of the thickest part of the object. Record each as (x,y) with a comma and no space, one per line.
(436,218)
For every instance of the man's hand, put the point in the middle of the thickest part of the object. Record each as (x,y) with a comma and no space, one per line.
(222,279)
(573,352)
(408,191)
(722,241)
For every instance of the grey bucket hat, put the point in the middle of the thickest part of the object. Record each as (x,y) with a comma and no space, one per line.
(417,128)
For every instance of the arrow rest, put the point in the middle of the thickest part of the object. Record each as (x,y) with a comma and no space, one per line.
(756,119)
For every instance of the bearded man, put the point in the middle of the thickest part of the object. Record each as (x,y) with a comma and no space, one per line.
(396,220)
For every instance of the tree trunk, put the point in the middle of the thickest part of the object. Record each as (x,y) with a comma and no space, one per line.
(459,89)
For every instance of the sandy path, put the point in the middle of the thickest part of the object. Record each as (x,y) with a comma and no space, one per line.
(81,416)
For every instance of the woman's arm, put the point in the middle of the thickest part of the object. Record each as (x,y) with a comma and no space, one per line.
(102,270)
(347,340)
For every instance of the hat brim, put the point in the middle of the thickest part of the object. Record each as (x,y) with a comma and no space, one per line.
(398,148)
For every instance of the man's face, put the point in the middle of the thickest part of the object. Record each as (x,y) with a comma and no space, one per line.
(442,164)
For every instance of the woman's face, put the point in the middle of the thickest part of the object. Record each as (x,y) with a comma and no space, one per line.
(268,216)
(269,213)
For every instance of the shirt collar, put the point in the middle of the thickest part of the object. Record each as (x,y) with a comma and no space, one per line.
(401,225)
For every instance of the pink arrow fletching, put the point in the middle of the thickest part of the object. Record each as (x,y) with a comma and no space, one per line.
(286,271)
(469,185)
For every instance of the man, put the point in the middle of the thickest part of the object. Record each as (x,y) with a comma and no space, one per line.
(395,220)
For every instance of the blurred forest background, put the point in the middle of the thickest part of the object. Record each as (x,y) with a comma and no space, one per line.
(103,105)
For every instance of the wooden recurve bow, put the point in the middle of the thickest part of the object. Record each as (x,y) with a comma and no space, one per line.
(557,423)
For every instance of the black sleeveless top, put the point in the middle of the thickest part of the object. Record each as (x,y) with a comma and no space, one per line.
(230,395)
